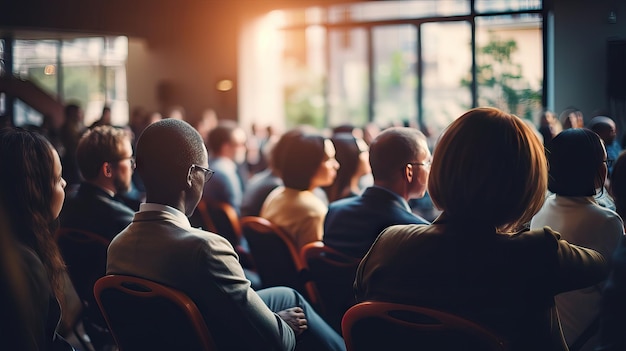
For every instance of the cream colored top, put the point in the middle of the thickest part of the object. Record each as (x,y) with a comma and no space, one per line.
(299,213)
(580,221)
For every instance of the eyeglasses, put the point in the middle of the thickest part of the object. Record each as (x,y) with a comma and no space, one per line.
(425,163)
(131,158)
(207,172)
(609,162)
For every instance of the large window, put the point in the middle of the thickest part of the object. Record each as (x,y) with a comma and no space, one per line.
(88,71)
(421,62)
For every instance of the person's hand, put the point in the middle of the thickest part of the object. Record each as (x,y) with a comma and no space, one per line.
(295,318)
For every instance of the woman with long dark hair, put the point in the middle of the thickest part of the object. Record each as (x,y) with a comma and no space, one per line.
(32,194)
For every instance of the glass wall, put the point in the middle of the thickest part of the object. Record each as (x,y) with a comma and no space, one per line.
(395,80)
(348,77)
(509,57)
(419,62)
(88,71)
(446,65)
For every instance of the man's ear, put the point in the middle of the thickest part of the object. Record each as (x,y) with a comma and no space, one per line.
(106,170)
(189,184)
(408,172)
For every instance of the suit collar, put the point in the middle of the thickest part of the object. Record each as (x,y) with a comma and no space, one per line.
(376,191)
(164,212)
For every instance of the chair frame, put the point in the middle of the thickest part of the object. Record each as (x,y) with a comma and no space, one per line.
(265,227)
(448,322)
(154,289)
(314,251)
(84,237)
(63,231)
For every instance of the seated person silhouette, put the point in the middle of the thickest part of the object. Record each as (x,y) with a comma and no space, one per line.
(106,162)
(161,245)
(474,260)
(400,162)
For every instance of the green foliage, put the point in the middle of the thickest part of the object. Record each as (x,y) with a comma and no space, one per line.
(500,81)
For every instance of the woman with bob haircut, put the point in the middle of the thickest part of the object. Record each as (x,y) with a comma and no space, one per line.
(578,168)
(32,194)
(308,162)
(488,177)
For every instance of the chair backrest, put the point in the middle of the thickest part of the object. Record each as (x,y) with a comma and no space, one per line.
(220,218)
(85,254)
(332,274)
(145,315)
(275,256)
(376,325)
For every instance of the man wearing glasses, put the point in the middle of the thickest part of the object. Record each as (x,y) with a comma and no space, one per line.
(105,158)
(162,246)
(400,161)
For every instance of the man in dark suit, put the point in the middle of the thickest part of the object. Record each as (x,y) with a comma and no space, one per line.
(162,246)
(106,162)
(400,162)
(105,159)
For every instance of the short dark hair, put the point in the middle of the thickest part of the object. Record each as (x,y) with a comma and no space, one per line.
(575,157)
(347,153)
(279,149)
(220,135)
(99,145)
(165,151)
(303,155)
(392,149)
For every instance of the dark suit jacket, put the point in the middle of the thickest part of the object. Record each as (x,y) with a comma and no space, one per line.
(506,282)
(352,224)
(159,246)
(93,209)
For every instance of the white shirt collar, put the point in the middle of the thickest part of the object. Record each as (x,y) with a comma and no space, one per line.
(180,217)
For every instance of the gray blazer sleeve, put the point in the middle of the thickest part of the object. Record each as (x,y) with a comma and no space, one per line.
(223,266)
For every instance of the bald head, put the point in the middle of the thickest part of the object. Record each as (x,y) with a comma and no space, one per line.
(392,149)
(165,151)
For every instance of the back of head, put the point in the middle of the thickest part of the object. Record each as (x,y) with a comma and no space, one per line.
(618,184)
(280,149)
(392,149)
(348,149)
(604,127)
(576,157)
(165,151)
(489,167)
(571,118)
(99,145)
(221,135)
(303,155)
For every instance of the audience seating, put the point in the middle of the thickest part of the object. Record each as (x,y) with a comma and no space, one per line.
(276,258)
(145,315)
(377,326)
(221,218)
(332,274)
(85,254)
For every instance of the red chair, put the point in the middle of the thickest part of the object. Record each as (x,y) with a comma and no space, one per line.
(221,218)
(332,273)
(373,325)
(145,315)
(276,258)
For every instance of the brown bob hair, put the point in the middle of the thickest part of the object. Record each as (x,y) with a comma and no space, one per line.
(489,167)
